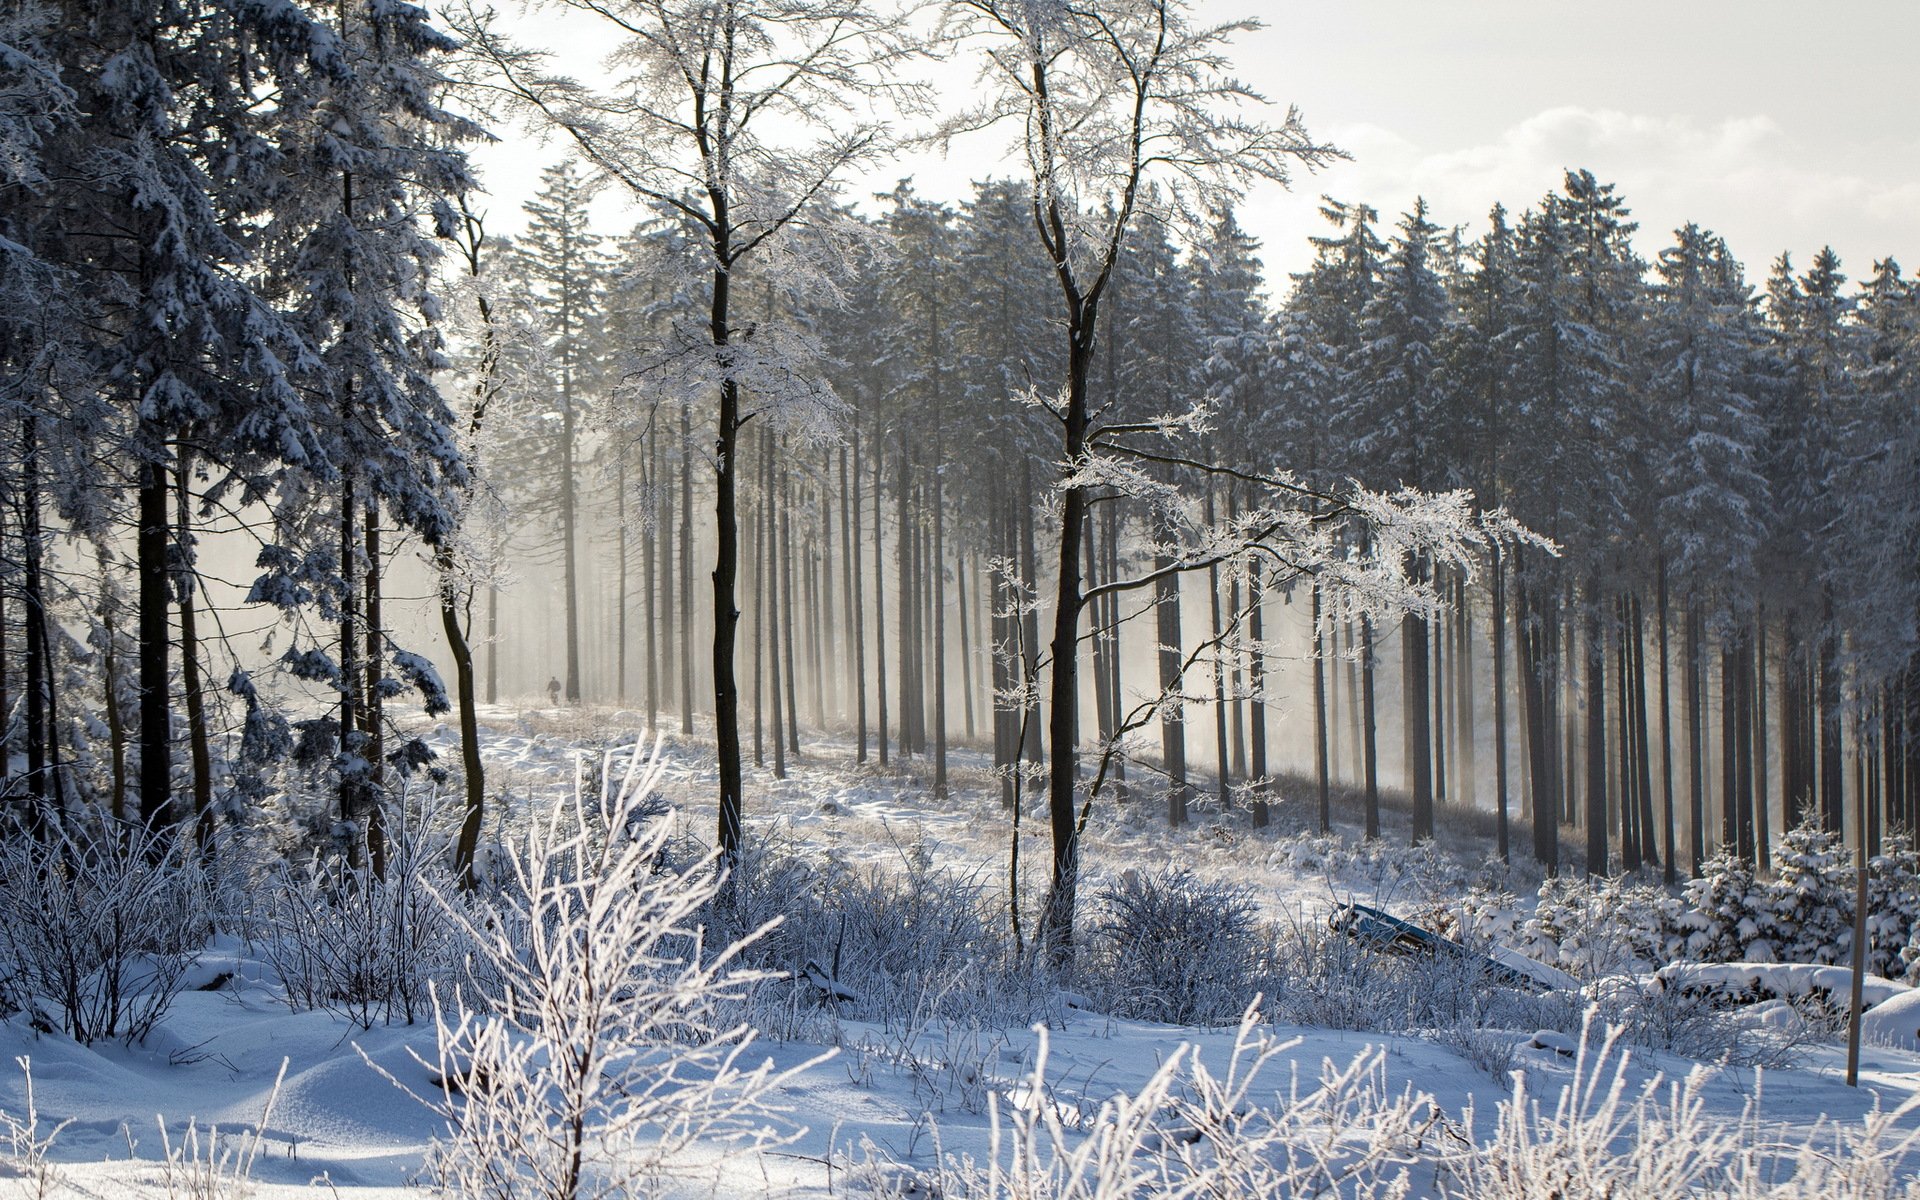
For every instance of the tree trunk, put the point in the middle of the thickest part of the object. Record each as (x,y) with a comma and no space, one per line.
(569,548)
(770,605)
(726,612)
(879,596)
(1691,680)
(731,554)
(1498,584)
(1219,671)
(1596,689)
(191,685)
(857,605)
(784,565)
(1320,761)
(1173,728)
(156,716)
(1257,691)
(938,593)
(1370,774)
(373,709)
(1419,723)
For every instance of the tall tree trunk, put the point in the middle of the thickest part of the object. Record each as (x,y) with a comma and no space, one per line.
(906,594)
(1257,692)
(1757,687)
(770,604)
(1691,677)
(755,549)
(191,684)
(1670,848)
(1320,762)
(569,537)
(1596,688)
(1173,727)
(373,708)
(938,592)
(39,674)
(856,600)
(731,554)
(785,566)
(110,708)
(1498,605)
(353,792)
(1437,710)
(1219,671)
(726,612)
(674,640)
(963,610)
(157,810)
(1369,751)
(1419,751)
(879,595)
(620,590)
(1832,799)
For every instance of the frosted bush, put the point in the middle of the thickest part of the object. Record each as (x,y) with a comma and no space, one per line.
(607,1051)
(98,927)
(1170,946)
(1192,1132)
(366,945)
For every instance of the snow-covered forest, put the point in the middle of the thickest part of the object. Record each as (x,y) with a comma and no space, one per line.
(749,674)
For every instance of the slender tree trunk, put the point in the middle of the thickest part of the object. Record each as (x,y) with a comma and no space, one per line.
(1257,691)
(1370,775)
(1413,631)
(1498,584)
(1173,728)
(157,810)
(569,536)
(1669,846)
(858,603)
(1757,685)
(731,554)
(1320,761)
(906,593)
(726,612)
(966,640)
(39,676)
(191,685)
(785,567)
(110,708)
(620,591)
(938,593)
(770,604)
(373,709)
(352,740)
(879,596)
(673,638)
(1596,689)
(1219,671)
(1691,680)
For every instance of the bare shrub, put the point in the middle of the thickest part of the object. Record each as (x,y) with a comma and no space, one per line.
(99,925)
(1173,947)
(364,945)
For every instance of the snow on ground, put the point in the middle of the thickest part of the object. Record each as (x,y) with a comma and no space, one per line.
(891,1094)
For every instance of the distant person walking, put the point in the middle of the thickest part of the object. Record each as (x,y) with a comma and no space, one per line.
(553,690)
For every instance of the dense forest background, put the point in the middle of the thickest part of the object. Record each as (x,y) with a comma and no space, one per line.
(295,449)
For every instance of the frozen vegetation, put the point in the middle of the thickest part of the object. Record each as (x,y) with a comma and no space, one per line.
(609,1014)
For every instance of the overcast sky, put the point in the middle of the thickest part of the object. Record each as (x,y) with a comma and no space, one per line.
(1784,126)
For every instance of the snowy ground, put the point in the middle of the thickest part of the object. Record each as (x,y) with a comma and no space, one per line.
(891,1094)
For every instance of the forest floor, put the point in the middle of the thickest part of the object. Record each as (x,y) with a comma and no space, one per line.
(895,1093)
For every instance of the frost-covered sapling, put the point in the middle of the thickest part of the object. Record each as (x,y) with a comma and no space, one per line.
(606,1050)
